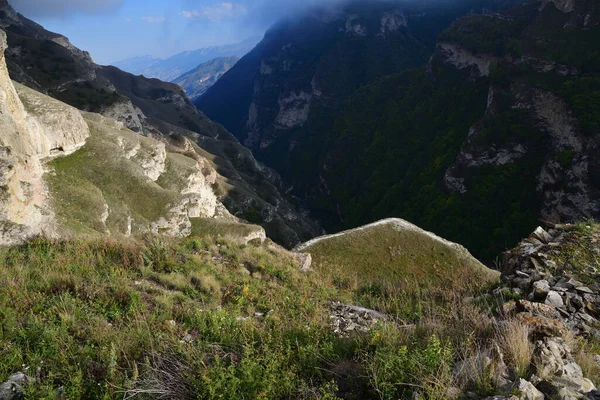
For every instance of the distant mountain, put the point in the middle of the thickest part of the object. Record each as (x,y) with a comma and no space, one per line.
(197,81)
(137,63)
(173,67)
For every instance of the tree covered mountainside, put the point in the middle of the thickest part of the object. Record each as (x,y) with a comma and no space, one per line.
(496,130)
(500,129)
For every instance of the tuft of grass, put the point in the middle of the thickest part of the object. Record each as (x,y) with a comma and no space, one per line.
(513,339)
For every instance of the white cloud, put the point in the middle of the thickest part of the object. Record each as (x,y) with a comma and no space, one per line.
(128,20)
(57,8)
(217,12)
(154,20)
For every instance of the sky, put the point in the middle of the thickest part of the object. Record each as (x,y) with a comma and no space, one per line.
(113,30)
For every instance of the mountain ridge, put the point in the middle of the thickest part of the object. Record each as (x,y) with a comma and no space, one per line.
(171,68)
(197,81)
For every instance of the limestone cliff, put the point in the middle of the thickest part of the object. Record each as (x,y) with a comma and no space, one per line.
(50,128)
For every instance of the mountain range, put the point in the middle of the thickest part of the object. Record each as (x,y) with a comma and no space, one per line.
(197,81)
(173,67)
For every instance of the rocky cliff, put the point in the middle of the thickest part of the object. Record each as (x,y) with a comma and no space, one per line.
(284,98)
(31,135)
(48,63)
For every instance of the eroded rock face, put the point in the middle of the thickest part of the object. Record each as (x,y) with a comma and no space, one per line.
(293,109)
(461,58)
(132,117)
(392,22)
(565,6)
(197,200)
(33,128)
(563,178)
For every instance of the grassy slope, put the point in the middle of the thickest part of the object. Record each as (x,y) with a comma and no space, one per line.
(100,318)
(391,256)
(84,181)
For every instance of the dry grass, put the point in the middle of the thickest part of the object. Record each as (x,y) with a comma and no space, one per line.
(166,377)
(588,361)
(513,338)
(585,354)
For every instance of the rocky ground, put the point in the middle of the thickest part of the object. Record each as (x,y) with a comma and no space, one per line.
(551,285)
(553,279)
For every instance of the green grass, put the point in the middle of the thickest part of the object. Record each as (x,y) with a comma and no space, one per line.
(104,318)
(216,227)
(99,174)
(579,251)
(386,254)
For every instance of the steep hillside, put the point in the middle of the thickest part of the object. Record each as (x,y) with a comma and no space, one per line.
(48,63)
(206,317)
(169,69)
(497,131)
(280,99)
(508,100)
(66,174)
(197,81)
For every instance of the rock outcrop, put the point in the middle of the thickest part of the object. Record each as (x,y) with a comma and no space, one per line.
(567,295)
(49,129)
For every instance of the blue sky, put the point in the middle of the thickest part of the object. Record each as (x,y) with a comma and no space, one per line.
(112,30)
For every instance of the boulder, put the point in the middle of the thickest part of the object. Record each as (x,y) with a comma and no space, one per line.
(541,235)
(540,326)
(554,299)
(568,283)
(12,388)
(527,391)
(540,290)
(563,376)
